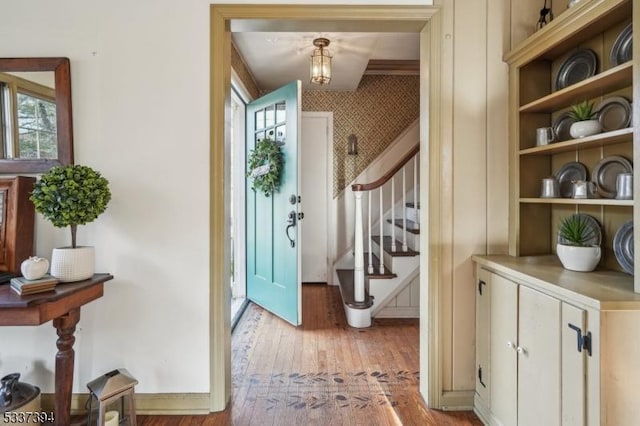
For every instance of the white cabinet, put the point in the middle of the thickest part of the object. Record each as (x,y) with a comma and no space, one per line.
(524,341)
(555,347)
(538,354)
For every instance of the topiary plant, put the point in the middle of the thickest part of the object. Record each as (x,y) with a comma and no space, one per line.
(70,196)
(582,111)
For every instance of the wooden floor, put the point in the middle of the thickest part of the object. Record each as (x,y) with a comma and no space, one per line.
(322,373)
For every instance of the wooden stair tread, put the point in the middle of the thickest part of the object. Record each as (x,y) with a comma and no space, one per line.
(387,247)
(345,280)
(376,267)
(413,205)
(411,226)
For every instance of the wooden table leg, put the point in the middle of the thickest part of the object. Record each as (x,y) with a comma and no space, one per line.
(65,326)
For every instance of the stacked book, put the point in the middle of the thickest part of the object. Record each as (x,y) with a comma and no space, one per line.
(24,287)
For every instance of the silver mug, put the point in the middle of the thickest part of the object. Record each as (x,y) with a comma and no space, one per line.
(544,136)
(550,188)
(624,186)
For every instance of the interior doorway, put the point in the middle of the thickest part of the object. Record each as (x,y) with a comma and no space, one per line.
(224,18)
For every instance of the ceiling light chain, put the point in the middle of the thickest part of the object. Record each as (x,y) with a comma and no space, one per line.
(321,62)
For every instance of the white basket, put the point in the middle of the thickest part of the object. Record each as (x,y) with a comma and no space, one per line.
(73,264)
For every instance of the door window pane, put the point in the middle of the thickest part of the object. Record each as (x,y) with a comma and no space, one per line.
(280,113)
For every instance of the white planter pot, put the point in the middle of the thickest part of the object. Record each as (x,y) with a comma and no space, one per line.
(73,264)
(581,259)
(580,129)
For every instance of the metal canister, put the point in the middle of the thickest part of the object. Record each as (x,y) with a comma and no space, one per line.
(17,397)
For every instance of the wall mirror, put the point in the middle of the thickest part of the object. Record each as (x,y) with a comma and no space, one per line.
(36,130)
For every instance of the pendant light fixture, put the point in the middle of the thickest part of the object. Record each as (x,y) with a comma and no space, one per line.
(321,62)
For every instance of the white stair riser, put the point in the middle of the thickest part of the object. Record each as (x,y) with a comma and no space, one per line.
(413,240)
(393,263)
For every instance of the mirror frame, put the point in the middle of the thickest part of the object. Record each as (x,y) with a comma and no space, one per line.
(62,71)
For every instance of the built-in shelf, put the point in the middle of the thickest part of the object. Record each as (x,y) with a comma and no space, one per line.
(599,140)
(600,84)
(587,201)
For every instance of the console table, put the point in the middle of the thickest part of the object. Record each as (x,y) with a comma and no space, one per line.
(63,307)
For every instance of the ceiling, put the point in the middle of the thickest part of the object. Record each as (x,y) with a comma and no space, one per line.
(276,58)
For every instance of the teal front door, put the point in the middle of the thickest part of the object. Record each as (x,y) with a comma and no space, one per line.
(273,232)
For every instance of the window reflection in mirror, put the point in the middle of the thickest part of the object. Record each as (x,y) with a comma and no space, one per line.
(28,115)
(29,87)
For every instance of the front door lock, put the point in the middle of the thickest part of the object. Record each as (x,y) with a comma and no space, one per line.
(291,222)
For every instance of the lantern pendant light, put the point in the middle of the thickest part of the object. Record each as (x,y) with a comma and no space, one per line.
(321,62)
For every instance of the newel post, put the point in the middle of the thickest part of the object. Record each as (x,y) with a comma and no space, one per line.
(358,273)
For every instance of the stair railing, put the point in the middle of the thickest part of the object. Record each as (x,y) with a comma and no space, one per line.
(358,190)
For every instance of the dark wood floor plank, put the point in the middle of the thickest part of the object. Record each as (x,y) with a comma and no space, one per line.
(323,372)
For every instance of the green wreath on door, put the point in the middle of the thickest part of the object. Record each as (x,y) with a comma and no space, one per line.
(266,163)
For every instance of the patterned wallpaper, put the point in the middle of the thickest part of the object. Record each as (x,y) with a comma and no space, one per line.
(238,65)
(380,109)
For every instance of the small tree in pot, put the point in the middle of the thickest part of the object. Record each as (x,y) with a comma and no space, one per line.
(70,196)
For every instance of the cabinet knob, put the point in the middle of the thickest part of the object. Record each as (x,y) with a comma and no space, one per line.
(521,350)
(511,345)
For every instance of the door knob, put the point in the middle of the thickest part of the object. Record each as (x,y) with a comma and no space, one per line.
(291,222)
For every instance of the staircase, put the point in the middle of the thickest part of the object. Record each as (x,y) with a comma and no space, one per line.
(388,260)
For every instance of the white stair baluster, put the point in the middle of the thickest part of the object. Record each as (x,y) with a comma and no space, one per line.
(358,273)
(393,215)
(416,200)
(381,220)
(404,209)
(370,267)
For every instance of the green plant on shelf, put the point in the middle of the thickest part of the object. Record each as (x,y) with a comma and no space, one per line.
(582,111)
(575,230)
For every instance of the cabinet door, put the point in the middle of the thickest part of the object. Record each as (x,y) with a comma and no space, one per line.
(573,366)
(538,359)
(482,334)
(503,365)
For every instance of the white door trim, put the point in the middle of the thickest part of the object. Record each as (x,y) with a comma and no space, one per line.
(331,209)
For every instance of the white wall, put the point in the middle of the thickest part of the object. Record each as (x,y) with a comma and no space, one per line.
(139,75)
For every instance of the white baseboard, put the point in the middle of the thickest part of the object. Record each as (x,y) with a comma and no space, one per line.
(399,312)
(147,403)
(457,400)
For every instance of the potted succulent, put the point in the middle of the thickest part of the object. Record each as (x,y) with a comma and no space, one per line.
(70,196)
(585,125)
(578,243)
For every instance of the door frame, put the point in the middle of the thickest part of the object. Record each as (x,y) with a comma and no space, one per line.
(425,20)
(331,219)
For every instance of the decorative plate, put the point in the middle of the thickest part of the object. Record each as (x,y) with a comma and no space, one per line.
(579,66)
(623,247)
(567,174)
(605,174)
(614,113)
(622,47)
(561,127)
(591,222)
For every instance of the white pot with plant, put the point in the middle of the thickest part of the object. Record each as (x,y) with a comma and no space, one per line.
(70,196)
(585,124)
(578,244)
